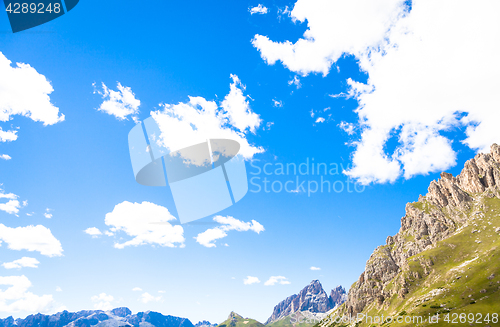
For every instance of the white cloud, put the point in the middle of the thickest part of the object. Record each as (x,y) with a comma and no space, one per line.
(251,280)
(320,120)
(147,223)
(208,237)
(295,81)
(146,298)
(31,238)
(7,136)
(194,122)
(16,297)
(334,28)
(58,289)
(5,157)
(102,301)
(277,280)
(429,73)
(137,289)
(121,103)
(25,92)
(260,9)
(162,292)
(12,206)
(315,268)
(93,231)
(47,213)
(20,263)
(277,103)
(347,127)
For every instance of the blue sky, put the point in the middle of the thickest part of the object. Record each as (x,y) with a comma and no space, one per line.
(373,88)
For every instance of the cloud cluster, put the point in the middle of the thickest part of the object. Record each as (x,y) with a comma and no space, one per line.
(146,223)
(146,298)
(103,301)
(20,263)
(334,28)
(251,280)
(260,9)
(93,231)
(31,238)
(16,297)
(430,70)
(12,205)
(24,92)
(277,280)
(208,237)
(197,120)
(121,103)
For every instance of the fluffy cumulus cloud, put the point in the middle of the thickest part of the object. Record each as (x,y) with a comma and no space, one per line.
(47,213)
(20,263)
(273,280)
(12,205)
(146,223)
(93,231)
(137,289)
(251,280)
(208,237)
(15,297)
(334,28)
(121,103)
(146,298)
(430,70)
(23,91)
(103,301)
(31,238)
(7,136)
(315,268)
(260,9)
(197,120)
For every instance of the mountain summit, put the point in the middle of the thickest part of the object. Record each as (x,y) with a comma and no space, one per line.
(312,298)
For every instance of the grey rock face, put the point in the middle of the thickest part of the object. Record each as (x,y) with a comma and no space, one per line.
(312,298)
(433,218)
(338,296)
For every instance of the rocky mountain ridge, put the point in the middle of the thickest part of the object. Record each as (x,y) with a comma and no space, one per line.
(451,205)
(312,298)
(86,318)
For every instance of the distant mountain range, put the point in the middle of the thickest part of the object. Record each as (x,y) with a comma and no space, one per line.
(114,318)
(312,299)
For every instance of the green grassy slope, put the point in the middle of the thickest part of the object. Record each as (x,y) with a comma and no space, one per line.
(460,275)
(235,320)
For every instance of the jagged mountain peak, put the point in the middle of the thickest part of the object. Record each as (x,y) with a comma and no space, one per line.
(233,315)
(312,298)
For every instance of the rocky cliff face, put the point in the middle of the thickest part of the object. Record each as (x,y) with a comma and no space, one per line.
(312,298)
(116,317)
(445,210)
(338,296)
